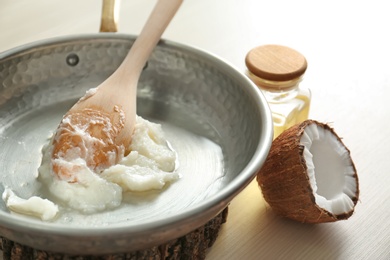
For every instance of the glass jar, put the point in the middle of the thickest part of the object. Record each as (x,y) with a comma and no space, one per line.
(277,70)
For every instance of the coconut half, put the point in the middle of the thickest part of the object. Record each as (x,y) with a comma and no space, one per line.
(309,175)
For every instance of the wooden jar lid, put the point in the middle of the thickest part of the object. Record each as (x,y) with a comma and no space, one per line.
(276,63)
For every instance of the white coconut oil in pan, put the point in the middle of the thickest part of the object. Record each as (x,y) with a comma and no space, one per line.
(197,180)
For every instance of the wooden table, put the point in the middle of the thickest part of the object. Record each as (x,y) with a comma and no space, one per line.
(347,47)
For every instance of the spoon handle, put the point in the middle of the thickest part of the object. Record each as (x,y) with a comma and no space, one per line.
(150,35)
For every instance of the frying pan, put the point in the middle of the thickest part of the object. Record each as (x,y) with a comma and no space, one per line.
(216,120)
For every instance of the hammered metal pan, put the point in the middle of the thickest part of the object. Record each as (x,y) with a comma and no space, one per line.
(214,117)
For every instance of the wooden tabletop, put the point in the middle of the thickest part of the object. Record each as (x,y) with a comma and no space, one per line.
(347,47)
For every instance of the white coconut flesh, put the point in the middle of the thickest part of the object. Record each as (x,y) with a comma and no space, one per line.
(330,170)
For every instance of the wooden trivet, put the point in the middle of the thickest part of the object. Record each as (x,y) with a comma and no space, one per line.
(192,246)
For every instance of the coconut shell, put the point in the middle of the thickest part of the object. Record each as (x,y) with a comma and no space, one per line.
(285,183)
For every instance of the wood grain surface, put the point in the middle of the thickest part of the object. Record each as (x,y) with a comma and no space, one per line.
(346,45)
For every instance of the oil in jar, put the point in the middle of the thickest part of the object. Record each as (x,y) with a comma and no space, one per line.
(278,70)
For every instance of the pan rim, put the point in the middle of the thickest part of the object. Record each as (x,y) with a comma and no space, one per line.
(202,211)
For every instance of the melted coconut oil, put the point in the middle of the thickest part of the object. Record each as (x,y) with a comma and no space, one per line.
(289,112)
(278,70)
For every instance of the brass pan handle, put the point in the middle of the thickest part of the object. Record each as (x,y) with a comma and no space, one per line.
(110,15)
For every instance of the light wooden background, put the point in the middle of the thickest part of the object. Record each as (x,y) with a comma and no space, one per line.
(347,46)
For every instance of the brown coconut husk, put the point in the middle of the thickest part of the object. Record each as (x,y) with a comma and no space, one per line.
(284,181)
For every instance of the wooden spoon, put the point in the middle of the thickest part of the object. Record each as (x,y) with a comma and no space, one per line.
(99,126)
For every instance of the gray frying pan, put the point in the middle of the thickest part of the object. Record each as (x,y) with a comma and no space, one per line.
(214,117)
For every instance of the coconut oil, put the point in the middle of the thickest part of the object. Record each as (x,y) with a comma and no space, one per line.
(277,71)
(286,113)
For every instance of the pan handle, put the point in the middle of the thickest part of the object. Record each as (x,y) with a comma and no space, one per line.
(110,15)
